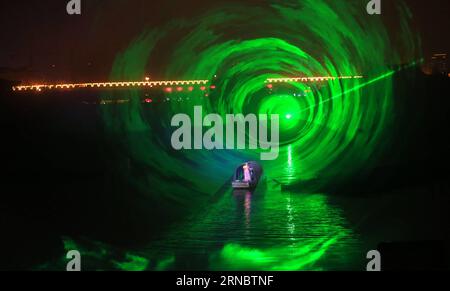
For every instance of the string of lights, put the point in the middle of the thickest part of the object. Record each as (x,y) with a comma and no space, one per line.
(149,84)
(167,84)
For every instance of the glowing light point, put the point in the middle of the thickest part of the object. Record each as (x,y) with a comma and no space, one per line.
(288,116)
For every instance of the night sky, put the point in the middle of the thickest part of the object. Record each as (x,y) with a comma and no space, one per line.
(39,41)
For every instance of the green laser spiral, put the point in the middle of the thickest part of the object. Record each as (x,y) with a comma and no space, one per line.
(328,130)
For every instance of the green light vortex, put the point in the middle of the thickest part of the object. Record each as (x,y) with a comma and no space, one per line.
(328,130)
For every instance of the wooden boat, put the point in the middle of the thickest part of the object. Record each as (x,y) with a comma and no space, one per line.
(247,176)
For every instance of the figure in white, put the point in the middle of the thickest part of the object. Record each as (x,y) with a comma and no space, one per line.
(247,176)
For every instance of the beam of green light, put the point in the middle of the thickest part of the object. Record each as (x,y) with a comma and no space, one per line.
(355,88)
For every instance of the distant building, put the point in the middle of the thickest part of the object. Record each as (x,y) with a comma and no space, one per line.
(439,64)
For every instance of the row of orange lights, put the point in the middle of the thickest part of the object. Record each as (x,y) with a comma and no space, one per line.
(310,79)
(151,84)
(190,89)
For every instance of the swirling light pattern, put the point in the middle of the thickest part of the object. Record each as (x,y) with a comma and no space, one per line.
(257,56)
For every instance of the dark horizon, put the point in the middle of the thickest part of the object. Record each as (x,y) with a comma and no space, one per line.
(40,41)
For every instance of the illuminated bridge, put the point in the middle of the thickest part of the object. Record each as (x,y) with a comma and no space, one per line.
(167,86)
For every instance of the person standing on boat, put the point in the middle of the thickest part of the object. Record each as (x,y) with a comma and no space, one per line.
(247,176)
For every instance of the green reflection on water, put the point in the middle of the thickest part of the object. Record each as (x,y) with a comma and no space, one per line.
(295,231)
(265,230)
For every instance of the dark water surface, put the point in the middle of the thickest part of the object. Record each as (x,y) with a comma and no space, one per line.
(264,230)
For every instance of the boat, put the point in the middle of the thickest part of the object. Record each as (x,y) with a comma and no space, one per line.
(247,176)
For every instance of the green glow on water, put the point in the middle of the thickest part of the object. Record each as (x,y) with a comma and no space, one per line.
(237,257)
(133,263)
(266,230)
(295,254)
(165,264)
